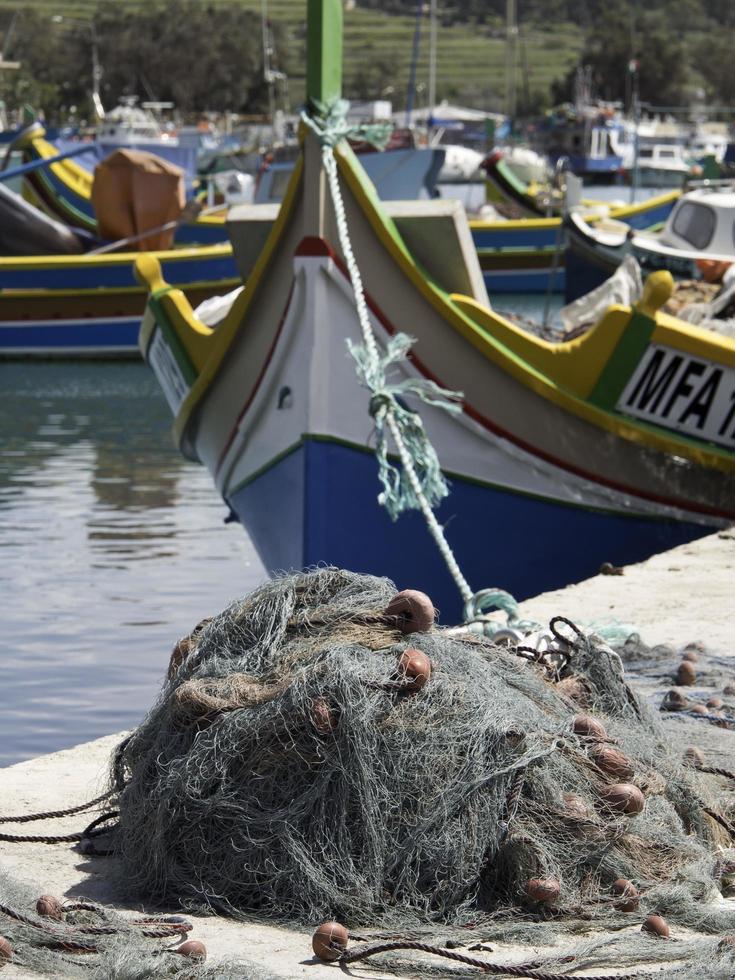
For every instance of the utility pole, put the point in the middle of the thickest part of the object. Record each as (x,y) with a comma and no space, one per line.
(432,64)
(511,38)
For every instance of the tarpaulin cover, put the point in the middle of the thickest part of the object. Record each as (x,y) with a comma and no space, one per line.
(135,192)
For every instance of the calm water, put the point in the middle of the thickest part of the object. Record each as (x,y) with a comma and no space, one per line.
(111,547)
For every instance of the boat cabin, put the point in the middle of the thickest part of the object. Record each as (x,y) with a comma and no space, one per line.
(703,220)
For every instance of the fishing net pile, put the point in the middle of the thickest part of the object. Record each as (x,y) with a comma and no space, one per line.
(319,752)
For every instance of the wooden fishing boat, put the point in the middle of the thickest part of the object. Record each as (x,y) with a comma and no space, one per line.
(63,189)
(609,447)
(696,242)
(515,256)
(520,255)
(91,305)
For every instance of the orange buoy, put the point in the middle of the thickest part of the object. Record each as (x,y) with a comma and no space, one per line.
(691,655)
(656,925)
(623,798)
(543,890)
(674,701)
(414,668)
(6,951)
(323,716)
(329,941)
(729,688)
(699,709)
(686,675)
(588,726)
(49,907)
(714,703)
(411,611)
(628,893)
(194,949)
(613,762)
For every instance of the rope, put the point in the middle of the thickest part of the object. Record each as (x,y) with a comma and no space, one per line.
(497,969)
(714,771)
(56,814)
(420,484)
(86,834)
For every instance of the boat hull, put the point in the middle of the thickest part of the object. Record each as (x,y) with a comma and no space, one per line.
(325,493)
(74,306)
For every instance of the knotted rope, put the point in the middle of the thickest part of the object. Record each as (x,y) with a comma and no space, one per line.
(419,484)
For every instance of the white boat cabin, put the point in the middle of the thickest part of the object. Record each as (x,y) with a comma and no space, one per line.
(704,221)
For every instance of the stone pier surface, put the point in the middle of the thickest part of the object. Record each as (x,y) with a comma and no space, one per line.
(682,595)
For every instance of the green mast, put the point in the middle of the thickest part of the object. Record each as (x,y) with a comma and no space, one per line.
(323,51)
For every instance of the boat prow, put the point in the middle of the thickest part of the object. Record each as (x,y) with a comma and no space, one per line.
(555,444)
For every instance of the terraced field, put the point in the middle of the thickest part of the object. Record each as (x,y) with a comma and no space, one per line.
(470,61)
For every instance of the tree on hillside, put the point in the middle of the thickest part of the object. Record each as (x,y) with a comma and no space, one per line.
(713,60)
(199,56)
(615,41)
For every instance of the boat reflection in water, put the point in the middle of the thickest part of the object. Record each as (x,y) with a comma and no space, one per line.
(111,544)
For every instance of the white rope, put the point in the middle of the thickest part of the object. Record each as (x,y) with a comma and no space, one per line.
(374,358)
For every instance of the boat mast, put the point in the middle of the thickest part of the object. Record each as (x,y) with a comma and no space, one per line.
(323,86)
(410,94)
(432,66)
(511,38)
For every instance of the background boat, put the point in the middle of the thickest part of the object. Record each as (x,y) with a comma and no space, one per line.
(555,444)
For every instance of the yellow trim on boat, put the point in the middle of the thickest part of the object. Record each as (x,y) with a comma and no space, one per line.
(502,353)
(69,171)
(192,253)
(622,213)
(195,339)
(214,285)
(692,340)
(218,342)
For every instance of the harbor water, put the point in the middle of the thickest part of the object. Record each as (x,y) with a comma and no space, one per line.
(111,547)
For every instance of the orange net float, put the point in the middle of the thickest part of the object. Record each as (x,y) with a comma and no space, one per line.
(623,798)
(686,675)
(588,726)
(193,949)
(628,894)
(613,763)
(656,925)
(693,757)
(545,891)
(324,717)
(6,951)
(49,907)
(414,669)
(712,270)
(329,941)
(411,611)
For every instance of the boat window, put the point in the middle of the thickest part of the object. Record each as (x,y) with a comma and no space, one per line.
(695,223)
(646,153)
(667,153)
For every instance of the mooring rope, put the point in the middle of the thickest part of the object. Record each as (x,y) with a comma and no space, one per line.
(420,484)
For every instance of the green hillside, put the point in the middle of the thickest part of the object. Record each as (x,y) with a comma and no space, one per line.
(471,58)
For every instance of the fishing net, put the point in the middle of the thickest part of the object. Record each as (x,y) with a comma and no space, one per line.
(78,938)
(295,766)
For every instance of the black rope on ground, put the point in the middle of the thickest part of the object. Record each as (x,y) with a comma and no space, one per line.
(497,969)
(57,814)
(76,838)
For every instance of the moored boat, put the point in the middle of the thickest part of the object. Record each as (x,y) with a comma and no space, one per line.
(696,242)
(63,189)
(91,305)
(609,447)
